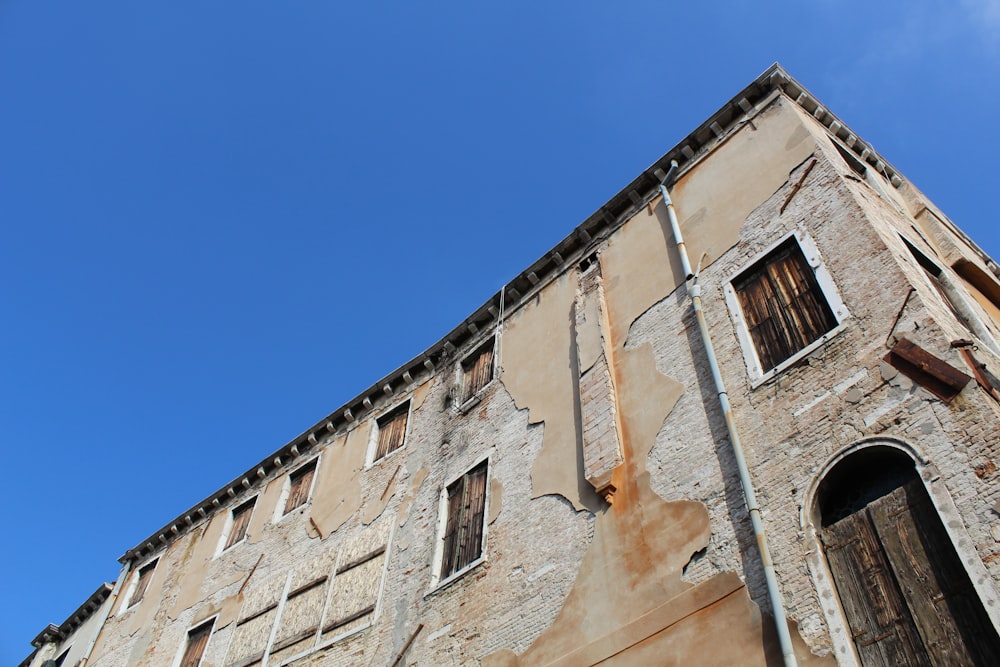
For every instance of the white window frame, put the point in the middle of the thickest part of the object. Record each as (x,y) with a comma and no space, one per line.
(830,292)
(128,605)
(437,582)
(286,488)
(187,635)
(230,519)
(370,459)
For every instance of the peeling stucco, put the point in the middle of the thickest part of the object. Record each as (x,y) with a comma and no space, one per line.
(263,512)
(379,500)
(411,493)
(197,567)
(496,498)
(712,201)
(339,497)
(539,359)
(629,604)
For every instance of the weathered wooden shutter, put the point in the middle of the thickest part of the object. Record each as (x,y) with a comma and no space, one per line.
(475,502)
(783,305)
(478,372)
(145,574)
(196,643)
(392,431)
(451,542)
(241,521)
(298,493)
(463,540)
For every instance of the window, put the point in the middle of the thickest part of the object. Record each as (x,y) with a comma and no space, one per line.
(142,578)
(391,431)
(299,486)
(477,371)
(463,535)
(197,640)
(239,523)
(783,305)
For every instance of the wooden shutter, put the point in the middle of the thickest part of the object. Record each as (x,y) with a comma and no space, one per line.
(783,305)
(463,540)
(196,642)
(241,521)
(478,371)
(392,431)
(301,481)
(145,574)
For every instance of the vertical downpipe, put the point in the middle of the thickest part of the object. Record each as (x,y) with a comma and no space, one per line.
(694,291)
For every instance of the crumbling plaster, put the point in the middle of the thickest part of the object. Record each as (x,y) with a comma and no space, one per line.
(633,567)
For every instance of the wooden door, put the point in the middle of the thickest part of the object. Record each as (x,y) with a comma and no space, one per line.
(907,598)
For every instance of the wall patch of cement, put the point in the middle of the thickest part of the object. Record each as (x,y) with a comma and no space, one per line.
(339,496)
(539,374)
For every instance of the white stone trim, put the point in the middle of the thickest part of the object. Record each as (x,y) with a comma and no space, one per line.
(813,258)
(370,460)
(437,583)
(286,487)
(228,528)
(184,639)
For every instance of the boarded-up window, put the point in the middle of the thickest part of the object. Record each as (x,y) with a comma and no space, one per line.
(300,482)
(197,640)
(391,430)
(463,538)
(256,621)
(142,583)
(784,308)
(477,371)
(241,520)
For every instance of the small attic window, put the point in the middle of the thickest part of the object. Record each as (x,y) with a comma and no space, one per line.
(391,431)
(239,522)
(300,485)
(856,165)
(477,371)
(141,583)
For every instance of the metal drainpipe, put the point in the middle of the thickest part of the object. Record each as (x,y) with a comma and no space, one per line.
(694,291)
(111,603)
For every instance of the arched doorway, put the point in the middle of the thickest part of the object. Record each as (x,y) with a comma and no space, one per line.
(906,597)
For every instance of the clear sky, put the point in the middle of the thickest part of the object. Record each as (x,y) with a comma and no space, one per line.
(222,220)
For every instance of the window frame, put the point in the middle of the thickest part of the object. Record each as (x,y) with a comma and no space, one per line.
(388,414)
(438,579)
(280,510)
(186,643)
(224,539)
(149,566)
(826,286)
(470,397)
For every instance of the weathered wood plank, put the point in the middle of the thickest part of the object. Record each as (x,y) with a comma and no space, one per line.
(883,632)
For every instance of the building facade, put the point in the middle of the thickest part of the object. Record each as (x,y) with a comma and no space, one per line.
(555,482)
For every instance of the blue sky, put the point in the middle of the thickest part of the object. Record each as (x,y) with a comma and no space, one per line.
(219,221)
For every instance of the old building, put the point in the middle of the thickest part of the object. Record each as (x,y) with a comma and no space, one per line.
(643,450)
